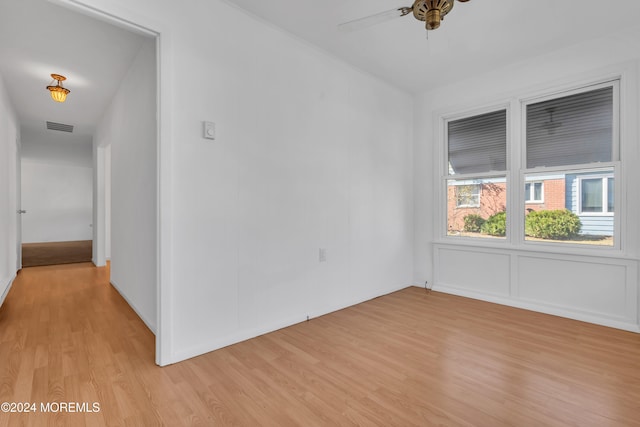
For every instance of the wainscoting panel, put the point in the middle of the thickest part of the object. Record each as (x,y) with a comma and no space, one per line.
(592,286)
(473,270)
(595,289)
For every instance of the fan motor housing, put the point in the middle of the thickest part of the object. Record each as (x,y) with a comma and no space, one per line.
(432,11)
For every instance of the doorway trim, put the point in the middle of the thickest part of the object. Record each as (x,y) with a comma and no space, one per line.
(127,20)
(19,210)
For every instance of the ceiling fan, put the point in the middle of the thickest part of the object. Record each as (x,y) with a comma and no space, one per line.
(432,12)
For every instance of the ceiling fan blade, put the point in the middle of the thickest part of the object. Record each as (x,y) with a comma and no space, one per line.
(358,24)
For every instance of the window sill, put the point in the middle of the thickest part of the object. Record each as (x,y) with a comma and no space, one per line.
(505,245)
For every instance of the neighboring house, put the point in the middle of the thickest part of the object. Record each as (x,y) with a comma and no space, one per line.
(589,195)
(470,197)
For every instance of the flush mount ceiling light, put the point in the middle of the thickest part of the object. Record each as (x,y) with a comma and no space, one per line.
(432,12)
(58,93)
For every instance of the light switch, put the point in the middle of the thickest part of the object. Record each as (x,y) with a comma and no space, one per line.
(209,130)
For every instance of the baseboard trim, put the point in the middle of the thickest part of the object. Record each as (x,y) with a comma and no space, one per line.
(243,335)
(542,308)
(134,308)
(7,282)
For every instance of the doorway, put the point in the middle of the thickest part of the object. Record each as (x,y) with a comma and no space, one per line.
(57,198)
(120,106)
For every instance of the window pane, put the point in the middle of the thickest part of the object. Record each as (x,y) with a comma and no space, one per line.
(537,191)
(610,192)
(468,196)
(474,202)
(591,195)
(478,143)
(533,192)
(570,209)
(571,130)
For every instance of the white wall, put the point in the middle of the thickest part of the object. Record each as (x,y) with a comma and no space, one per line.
(594,285)
(56,192)
(128,128)
(56,186)
(55,147)
(309,154)
(107,202)
(8,178)
(98,256)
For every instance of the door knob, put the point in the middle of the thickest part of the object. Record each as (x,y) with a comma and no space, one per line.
(21,211)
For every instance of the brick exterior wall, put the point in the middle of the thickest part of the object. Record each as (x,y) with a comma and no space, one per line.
(553,195)
(493,199)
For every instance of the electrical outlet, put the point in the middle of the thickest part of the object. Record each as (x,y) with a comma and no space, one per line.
(322,255)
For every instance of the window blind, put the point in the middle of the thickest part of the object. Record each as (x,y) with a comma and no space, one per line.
(571,130)
(478,143)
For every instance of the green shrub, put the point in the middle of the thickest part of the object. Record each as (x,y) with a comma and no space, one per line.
(473,223)
(555,224)
(495,225)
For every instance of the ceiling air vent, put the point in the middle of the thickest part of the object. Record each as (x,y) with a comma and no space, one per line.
(59,126)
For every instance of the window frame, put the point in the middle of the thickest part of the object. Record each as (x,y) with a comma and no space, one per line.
(445,171)
(604,179)
(516,171)
(532,190)
(614,164)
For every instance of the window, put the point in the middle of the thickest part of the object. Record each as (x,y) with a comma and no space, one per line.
(533,192)
(574,138)
(476,179)
(566,161)
(596,195)
(468,195)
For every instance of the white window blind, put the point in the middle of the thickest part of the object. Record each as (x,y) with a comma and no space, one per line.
(478,144)
(575,129)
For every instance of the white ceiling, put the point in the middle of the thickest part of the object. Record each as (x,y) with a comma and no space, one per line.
(39,38)
(475,37)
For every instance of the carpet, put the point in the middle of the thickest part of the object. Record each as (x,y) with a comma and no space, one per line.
(51,253)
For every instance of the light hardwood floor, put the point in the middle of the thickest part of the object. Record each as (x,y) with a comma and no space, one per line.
(412,358)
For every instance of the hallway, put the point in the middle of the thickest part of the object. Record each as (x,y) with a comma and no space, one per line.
(66,335)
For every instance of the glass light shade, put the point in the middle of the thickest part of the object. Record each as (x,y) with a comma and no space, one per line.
(58,93)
